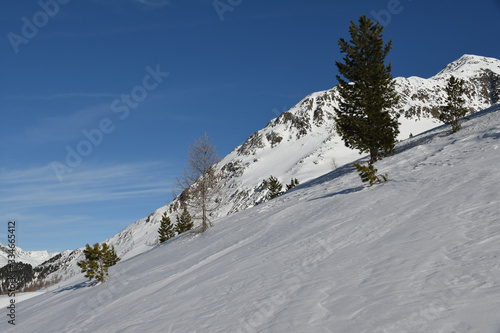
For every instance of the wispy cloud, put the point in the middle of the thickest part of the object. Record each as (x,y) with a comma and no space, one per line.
(39,187)
(58,96)
(64,127)
(49,221)
(87,206)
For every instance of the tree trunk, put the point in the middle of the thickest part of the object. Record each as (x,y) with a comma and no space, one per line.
(205,227)
(101,268)
(373,156)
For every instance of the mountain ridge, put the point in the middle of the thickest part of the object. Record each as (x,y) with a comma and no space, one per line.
(34,258)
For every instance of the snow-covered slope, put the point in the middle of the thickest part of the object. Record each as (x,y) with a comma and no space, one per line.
(302,143)
(416,254)
(34,258)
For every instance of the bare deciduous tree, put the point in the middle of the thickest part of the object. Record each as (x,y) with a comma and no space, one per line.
(200,182)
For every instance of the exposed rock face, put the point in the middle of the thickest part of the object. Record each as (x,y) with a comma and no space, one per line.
(423,97)
(494,81)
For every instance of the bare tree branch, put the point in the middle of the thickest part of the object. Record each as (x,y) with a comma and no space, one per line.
(200,182)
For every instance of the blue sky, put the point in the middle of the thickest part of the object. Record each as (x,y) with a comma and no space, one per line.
(127,85)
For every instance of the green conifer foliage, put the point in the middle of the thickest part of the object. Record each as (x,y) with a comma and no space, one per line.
(454,109)
(367,92)
(369,174)
(166,230)
(97,260)
(184,222)
(275,188)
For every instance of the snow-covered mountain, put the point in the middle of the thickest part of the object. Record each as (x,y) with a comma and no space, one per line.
(424,96)
(416,254)
(33,267)
(34,258)
(302,143)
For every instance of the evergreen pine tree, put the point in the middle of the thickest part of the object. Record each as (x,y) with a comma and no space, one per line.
(110,258)
(454,109)
(274,187)
(369,174)
(367,92)
(184,222)
(97,260)
(166,230)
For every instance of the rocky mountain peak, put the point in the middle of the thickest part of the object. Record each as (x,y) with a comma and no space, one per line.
(469,64)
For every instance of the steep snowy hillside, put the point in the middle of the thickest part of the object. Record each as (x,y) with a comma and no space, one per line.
(302,143)
(416,254)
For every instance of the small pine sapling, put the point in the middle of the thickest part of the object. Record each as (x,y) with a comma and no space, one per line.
(275,188)
(184,222)
(166,230)
(369,174)
(97,260)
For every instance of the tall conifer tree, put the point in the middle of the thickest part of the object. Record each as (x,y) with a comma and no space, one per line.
(367,92)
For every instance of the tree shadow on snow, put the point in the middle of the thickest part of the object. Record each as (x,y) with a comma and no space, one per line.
(346,191)
(337,173)
(77,286)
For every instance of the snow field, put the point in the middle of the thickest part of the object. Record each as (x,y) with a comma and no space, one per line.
(416,254)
